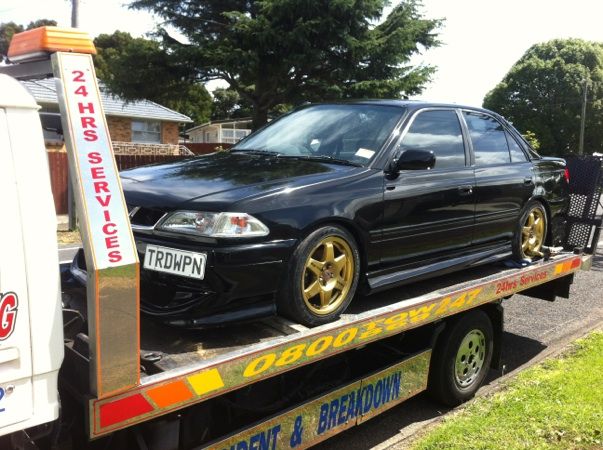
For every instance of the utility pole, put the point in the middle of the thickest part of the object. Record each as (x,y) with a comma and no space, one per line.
(75,13)
(72,223)
(583,118)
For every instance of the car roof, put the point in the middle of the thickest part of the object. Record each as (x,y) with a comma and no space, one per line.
(418,104)
(410,105)
(413,105)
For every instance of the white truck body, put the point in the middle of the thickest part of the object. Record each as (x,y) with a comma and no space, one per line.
(31,328)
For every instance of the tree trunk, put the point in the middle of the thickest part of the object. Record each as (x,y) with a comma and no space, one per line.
(260,116)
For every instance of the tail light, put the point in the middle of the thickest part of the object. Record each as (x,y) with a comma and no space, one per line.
(566,175)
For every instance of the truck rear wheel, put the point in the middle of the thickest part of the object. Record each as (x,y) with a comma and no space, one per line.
(461,358)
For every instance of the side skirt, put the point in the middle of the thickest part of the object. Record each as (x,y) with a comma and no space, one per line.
(404,276)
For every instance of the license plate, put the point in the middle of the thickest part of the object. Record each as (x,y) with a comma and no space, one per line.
(176,262)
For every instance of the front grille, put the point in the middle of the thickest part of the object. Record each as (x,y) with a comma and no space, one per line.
(145,217)
(165,294)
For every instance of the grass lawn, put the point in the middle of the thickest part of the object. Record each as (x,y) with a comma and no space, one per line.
(557,404)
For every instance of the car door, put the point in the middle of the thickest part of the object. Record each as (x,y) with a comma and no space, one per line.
(503,186)
(429,212)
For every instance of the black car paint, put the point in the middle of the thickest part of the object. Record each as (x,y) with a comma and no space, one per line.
(409,225)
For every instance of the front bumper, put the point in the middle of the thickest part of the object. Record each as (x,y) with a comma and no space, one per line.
(240,282)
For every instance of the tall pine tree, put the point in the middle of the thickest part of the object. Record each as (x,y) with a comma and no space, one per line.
(289,51)
(139,68)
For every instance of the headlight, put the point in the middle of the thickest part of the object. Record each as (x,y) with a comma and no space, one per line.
(224,224)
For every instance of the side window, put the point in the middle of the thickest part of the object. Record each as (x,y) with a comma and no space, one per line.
(488,138)
(517,154)
(439,132)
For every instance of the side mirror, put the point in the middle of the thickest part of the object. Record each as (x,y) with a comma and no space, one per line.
(413,160)
(51,122)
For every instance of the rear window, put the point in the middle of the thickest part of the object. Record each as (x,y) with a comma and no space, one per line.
(517,154)
(488,137)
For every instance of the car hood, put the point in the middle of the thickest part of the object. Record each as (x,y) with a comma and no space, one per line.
(221,179)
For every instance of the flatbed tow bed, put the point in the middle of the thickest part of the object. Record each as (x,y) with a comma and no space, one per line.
(200,365)
(171,348)
(127,382)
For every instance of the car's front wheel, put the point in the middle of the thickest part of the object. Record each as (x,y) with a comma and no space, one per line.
(323,277)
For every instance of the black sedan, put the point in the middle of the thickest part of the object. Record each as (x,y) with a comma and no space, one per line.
(336,199)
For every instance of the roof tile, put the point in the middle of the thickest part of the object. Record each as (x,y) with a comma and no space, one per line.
(44,91)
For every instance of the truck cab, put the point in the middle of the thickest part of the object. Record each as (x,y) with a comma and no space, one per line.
(31,328)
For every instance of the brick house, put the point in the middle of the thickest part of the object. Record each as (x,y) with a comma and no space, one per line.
(137,127)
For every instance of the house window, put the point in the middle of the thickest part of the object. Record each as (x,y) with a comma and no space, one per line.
(232,136)
(146,131)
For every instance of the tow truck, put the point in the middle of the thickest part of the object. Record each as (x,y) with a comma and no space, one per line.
(98,375)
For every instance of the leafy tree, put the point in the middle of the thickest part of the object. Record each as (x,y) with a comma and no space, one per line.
(543,93)
(532,139)
(8,29)
(41,23)
(228,104)
(289,51)
(138,68)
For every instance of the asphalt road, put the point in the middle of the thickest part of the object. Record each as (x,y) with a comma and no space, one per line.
(533,329)
(67,252)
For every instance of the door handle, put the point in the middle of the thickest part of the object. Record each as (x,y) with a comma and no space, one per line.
(465,190)
(527,181)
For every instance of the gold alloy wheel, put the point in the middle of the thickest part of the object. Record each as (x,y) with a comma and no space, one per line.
(328,275)
(532,233)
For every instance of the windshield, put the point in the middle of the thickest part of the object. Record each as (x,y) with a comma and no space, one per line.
(352,133)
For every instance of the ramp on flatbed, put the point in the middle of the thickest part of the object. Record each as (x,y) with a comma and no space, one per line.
(173,348)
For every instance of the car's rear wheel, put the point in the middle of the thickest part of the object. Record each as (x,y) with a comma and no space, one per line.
(531,233)
(322,279)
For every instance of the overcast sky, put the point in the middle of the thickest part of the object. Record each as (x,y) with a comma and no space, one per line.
(481,38)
